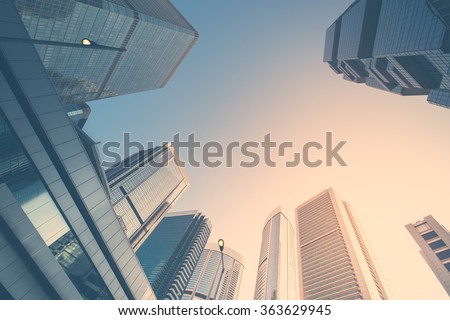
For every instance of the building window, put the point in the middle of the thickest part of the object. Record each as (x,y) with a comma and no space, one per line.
(447,265)
(437,244)
(423,227)
(429,235)
(200,295)
(444,254)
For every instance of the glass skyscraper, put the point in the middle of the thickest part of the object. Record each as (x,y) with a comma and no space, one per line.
(136,44)
(434,242)
(277,277)
(143,188)
(59,235)
(172,250)
(400,46)
(334,260)
(214,278)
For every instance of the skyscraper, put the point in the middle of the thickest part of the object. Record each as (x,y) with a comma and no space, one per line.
(400,46)
(171,252)
(277,276)
(143,188)
(434,242)
(59,235)
(135,45)
(334,261)
(214,279)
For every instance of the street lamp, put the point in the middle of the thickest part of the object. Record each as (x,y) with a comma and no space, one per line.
(221,244)
(85,42)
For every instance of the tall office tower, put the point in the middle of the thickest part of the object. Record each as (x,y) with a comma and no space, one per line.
(171,252)
(143,188)
(217,276)
(132,45)
(277,277)
(434,242)
(400,46)
(334,261)
(59,235)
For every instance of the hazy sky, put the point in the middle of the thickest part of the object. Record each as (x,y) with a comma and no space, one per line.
(258,69)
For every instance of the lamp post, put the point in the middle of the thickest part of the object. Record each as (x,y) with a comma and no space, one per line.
(221,244)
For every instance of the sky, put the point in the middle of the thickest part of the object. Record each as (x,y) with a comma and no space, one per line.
(257,69)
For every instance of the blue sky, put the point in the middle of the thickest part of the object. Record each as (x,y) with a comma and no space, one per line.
(244,48)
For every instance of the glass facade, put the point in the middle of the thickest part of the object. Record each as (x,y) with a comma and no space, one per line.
(143,188)
(334,262)
(277,277)
(400,46)
(434,242)
(64,237)
(60,237)
(171,252)
(22,179)
(214,279)
(153,33)
(351,31)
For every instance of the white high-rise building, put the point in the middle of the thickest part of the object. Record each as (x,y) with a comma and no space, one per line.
(434,242)
(334,261)
(277,269)
(217,276)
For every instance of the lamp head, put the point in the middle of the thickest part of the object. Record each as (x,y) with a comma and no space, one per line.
(86,42)
(221,244)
